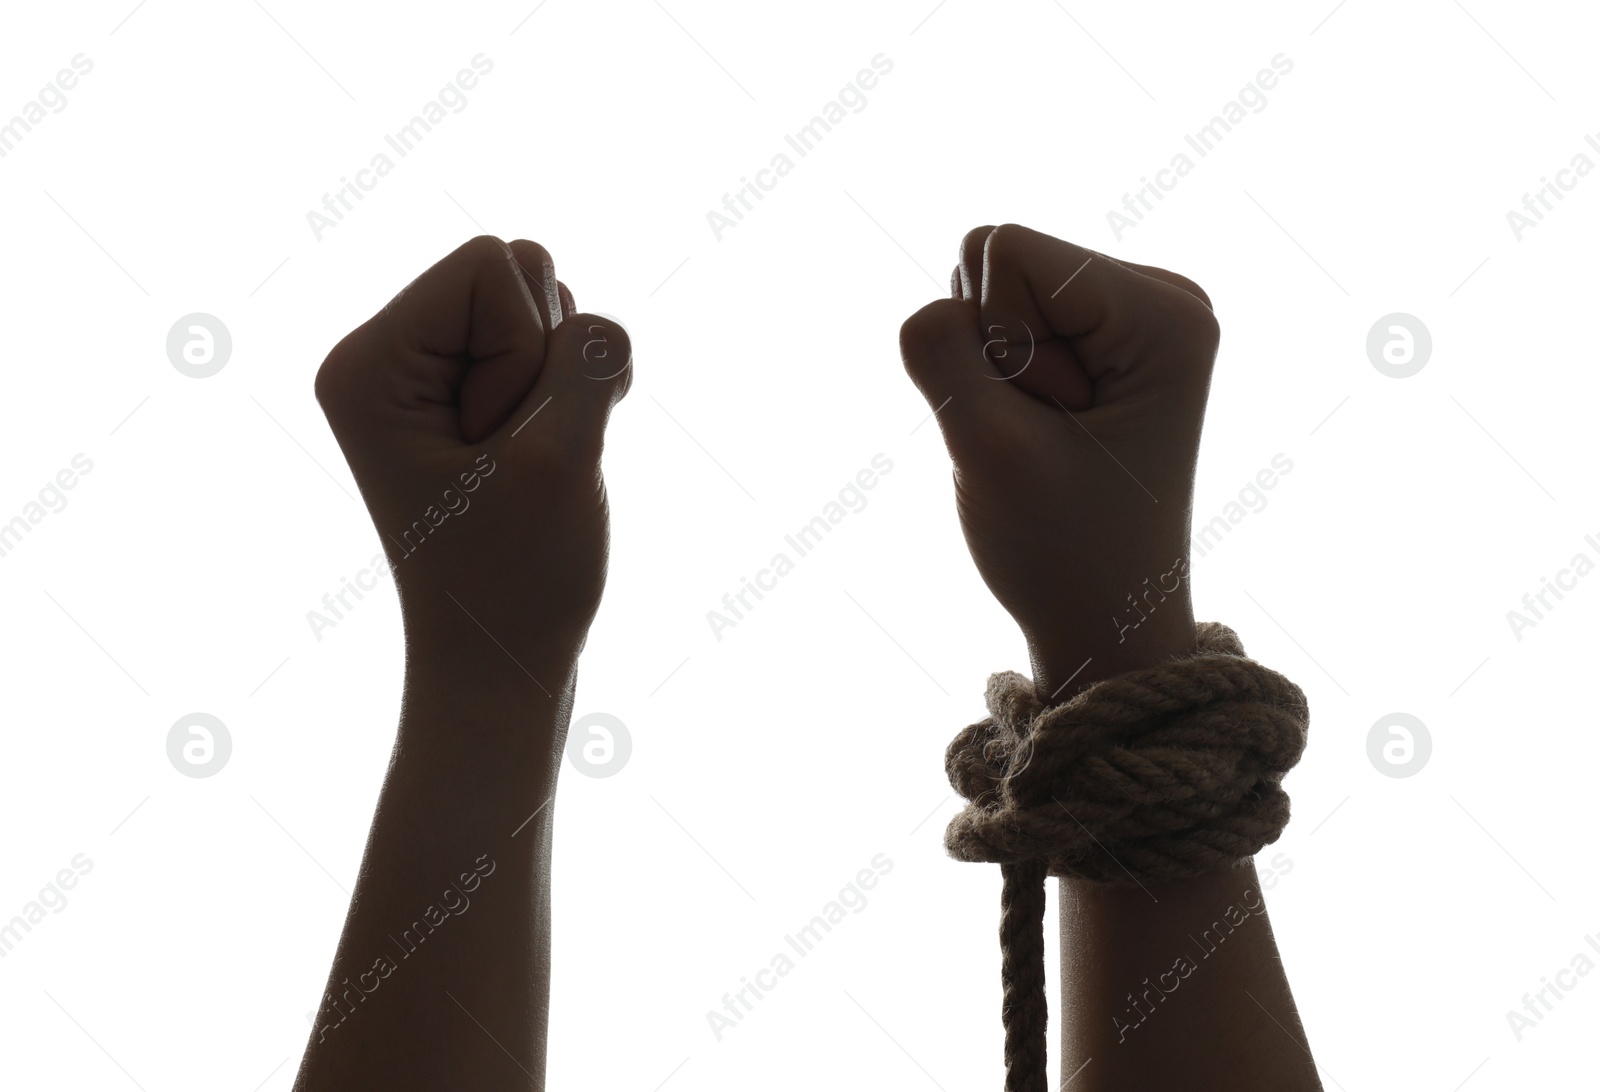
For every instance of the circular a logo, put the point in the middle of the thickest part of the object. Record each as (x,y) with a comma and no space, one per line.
(597,350)
(1399,345)
(1399,745)
(599,745)
(198,745)
(995,352)
(199,345)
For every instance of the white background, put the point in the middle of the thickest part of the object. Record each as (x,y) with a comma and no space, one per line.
(768,767)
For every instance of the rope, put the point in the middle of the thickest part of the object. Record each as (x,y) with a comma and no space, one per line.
(1163,772)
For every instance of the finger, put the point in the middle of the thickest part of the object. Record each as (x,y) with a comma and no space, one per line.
(568,304)
(969,261)
(588,369)
(1068,316)
(1014,342)
(941,347)
(1176,279)
(540,270)
(495,382)
(955,283)
(490,395)
(466,329)
(470,301)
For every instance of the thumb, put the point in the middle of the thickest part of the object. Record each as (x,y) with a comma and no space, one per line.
(588,368)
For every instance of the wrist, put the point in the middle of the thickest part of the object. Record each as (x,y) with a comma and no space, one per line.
(480,737)
(1065,664)
(487,683)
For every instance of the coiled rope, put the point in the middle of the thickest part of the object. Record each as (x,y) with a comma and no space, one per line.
(1162,772)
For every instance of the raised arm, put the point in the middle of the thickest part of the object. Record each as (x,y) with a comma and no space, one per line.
(472,411)
(1071,389)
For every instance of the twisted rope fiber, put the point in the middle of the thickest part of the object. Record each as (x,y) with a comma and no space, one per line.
(1158,773)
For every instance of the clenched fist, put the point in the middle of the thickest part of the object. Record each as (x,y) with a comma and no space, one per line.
(472,411)
(1071,389)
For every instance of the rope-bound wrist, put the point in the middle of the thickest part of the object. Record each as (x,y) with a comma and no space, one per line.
(1163,772)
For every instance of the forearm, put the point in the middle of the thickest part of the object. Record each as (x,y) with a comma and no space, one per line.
(1173,983)
(441,978)
(1177,984)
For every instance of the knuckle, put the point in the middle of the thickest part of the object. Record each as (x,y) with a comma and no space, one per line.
(1196,318)
(1003,241)
(333,385)
(972,242)
(485,246)
(931,327)
(1189,322)
(1192,288)
(533,257)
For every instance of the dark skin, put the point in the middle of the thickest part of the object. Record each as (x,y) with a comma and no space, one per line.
(1074,473)
(480,383)
(483,355)
(1230,1022)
